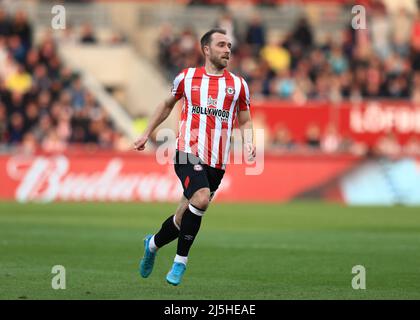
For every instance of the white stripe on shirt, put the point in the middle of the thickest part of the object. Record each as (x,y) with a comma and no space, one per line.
(202,135)
(221,95)
(187,89)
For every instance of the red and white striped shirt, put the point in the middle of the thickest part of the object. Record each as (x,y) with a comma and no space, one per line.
(211,104)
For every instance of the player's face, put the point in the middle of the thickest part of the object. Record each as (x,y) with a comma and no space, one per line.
(219,50)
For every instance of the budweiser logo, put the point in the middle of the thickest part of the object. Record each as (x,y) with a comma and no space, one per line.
(52,178)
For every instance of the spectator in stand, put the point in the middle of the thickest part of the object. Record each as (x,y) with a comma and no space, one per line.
(337,61)
(331,140)
(77,93)
(284,84)
(17,49)
(401,23)
(282,139)
(17,128)
(44,102)
(219,3)
(15,102)
(415,32)
(40,77)
(106,138)
(87,35)
(388,146)
(29,144)
(227,22)
(313,137)
(117,38)
(52,142)
(165,41)
(398,87)
(32,60)
(31,116)
(188,45)
(380,29)
(349,42)
(415,44)
(302,34)
(20,81)
(5,24)
(41,130)
(412,146)
(277,56)
(47,49)
(3,124)
(22,28)
(255,34)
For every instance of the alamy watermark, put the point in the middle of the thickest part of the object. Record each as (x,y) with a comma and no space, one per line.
(59,280)
(358,22)
(359,280)
(58,21)
(228,147)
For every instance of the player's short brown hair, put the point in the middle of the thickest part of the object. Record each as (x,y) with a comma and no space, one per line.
(206,38)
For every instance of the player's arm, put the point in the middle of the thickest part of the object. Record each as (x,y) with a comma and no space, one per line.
(245,125)
(161,113)
(244,120)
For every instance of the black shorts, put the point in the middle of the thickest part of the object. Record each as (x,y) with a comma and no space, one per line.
(194,174)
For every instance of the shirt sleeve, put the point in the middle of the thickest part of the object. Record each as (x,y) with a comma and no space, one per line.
(244,102)
(178,85)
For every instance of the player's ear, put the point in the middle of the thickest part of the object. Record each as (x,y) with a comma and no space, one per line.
(206,50)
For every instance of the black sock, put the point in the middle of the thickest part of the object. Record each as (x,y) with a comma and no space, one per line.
(167,233)
(190,225)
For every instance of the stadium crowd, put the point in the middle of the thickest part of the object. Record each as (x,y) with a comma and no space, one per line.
(382,61)
(43,103)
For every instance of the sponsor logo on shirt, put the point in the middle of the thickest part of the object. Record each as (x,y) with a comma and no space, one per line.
(211,102)
(222,114)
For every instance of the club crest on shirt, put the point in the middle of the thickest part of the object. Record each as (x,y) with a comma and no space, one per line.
(198,167)
(230,91)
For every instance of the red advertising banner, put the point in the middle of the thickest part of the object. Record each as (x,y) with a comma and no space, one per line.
(132,177)
(364,122)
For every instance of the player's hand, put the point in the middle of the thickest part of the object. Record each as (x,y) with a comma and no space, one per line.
(140,143)
(251,151)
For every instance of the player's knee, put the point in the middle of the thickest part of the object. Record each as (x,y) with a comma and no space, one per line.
(201,199)
(177,220)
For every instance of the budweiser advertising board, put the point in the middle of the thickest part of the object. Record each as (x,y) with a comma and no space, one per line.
(134,177)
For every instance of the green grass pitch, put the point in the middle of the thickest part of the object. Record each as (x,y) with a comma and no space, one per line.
(243,251)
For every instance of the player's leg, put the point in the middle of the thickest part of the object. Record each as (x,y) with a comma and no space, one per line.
(180,210)
(193,176)
(202,188)
(214,176)
(191,222)
(168,232)
(205,185)
(170,228)
(190,225)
